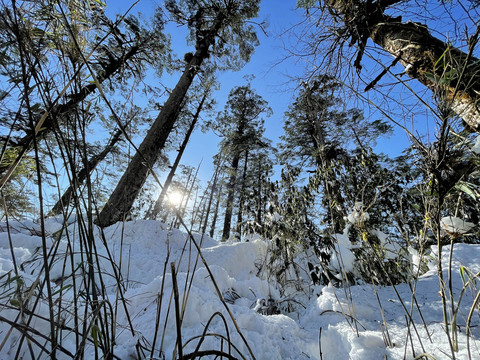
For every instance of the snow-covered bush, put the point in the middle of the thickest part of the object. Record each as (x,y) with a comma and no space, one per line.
(365,254)
(289,227)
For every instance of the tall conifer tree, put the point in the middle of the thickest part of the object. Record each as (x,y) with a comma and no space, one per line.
(219,31)
(241,127)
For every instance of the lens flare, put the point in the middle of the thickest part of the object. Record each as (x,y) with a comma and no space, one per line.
(175,198)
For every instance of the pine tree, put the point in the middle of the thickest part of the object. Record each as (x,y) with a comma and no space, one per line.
(241,126)
(218,30)
(60,37)
(50,54)
(208,204)
(194,120)
(254,190)
(82,173)
(318,131)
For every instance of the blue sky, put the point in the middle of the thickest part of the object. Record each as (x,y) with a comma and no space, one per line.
(274,76)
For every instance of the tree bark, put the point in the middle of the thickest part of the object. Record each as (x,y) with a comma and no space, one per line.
(241,198)
(56,113)
(210,201)
(435,64)
(215,213)
(444,69)
(227,223)
(171,174)
(121,200)
(259,203)
(80,177)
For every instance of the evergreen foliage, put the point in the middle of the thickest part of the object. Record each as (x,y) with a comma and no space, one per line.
(241,126)
(50,54)
(69,124)
(219,29)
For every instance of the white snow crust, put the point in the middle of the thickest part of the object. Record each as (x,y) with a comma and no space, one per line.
(348,323)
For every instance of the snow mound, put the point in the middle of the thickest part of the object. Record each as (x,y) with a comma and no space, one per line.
(329,323)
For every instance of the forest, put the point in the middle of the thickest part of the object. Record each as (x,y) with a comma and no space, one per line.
(335,219)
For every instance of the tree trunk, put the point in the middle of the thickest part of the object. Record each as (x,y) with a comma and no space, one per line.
(197,204)
(80,177)
(210,201)
(442,68)
(56,113)
(241,197)
(259,202)
(183,206)
(227,223)
(215,213)
(171,174)
(435,64)
(199,215)
(334,201)
(121,200)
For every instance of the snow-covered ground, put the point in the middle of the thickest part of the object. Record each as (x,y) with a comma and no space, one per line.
(326,322)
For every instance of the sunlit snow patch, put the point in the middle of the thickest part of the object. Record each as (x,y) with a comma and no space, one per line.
(455,225)
(476,146)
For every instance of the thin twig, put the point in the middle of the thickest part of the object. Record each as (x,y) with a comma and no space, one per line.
(177,311)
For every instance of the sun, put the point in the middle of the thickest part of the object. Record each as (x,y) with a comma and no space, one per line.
(175,198)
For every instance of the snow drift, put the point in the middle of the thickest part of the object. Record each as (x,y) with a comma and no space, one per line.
(322,322)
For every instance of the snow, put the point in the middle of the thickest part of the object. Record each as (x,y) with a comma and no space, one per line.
(327,323)
(343,257)
(274,217)
(455,225)
(358,216)
(476,146)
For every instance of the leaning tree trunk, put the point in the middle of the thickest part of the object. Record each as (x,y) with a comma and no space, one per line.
(436,64)
(158,204)
(54,116)
(121,200)
(80,177)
